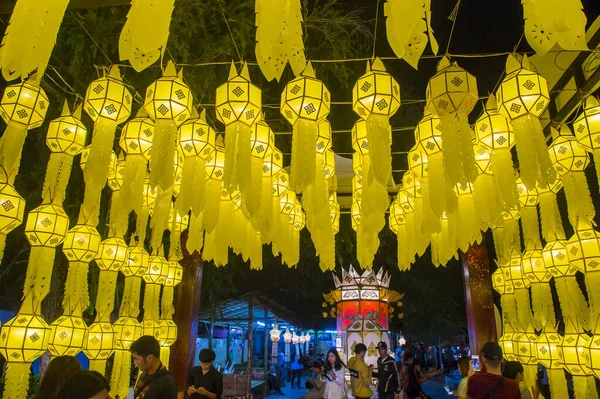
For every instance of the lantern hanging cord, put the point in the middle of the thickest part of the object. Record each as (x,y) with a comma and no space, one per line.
(453,17)
(375,29)
(229,30)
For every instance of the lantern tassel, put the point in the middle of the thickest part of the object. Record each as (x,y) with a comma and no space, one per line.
(524,315)
(265,214)
(142,224)
(558,383)
(512,235)
(530,372)
(596,153)
(592,284)
(199,188)
(253,194)
(459,158)
(151,302)
(534,160)
(132,189)
(76,297)
(422,237)
(468,223)
(552,227)
(195,236)
(505,178)
(188,174)
(411,232)
(571,300)
(97,165)
(243,164)
(431,222)
(119,378)
(254,249)
(579,201)
(213,204)
(11,149)
(16,380)
(436,187)
(531,227)
(303,162)
(585,387)
(162,168)
(160,217)
(240,232)
(232,132)
(402,247)
(57,178)
(502,254)
(98,365)
(543,306)
(379,134)
(509,310)
(105,301)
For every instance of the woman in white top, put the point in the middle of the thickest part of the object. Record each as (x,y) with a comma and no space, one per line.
(466,370)
(335,382)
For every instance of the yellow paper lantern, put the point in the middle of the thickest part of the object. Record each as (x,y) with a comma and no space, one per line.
(324,137)
(158,270)
(115,175)
(107,97)
(196,138)
(127,331)
(99,342)
(24,104)
(574,348)
(67,335)
(428,134)
(238,99)
(24,338)
(112,254)
(514,272)
(138,261)
(137,135)
(175,274)
(305,97)
(493,129)
(499,282)
(506,342)
(329,164)
(587,125)
(46,225)
(168,332)
(534,267)
(169,97)
(376,92)
(566,154)
(547,350)
(451,89)
(525,346)
(66,134)
(556,259)
(360,142)
(583,250)
(82,243)
(12,207)
(356,210)
(287,202)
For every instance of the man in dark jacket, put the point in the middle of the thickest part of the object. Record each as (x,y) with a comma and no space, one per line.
(387,373)
(205,382)
(156,381)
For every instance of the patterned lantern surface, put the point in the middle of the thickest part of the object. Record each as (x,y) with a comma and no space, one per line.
(214,163)
(334,214)
(115,175)
(323,137)
(12,207)
(112,254)
(574,348)
(567,155)
(238,100)
(99,341)
(287,336)
(376,92)
(136,137)
(137,262)
(24,338)
(168,330)
(428,134)
(158,270)
(66,134)
(527,197)
(196,138)
(174,275)
(587,125)
(275,333)
(556,259)
(514,273)
(534,267)
(287,202)
(500,284)
(305,97)
(108,97)
(506,342)
(483,158)
(67,335)
(281,183)
(525,347)
(360,142)
(169,97)
(547,350)
(46,225)
(583,250)
(522,92)
(493,129)
(24,104)
(82,243)
(451,89)
(127,331)
(262,139)
(86,153)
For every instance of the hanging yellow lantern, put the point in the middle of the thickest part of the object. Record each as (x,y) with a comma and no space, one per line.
(67,335)
(108,98)
(156,274)
(495,131)
(115,175)
(587,129)
(548,354)
(168,102)
(23,106)
(334,213)
(262,140)
(525,347)
(82,243)
(214,172)
(66,134)
(12,207)
(271,167)
(238,107)
(506,343)
(99,345)
(46,225)
(574,350)
(451,95)
(304,102)
(522,97)
(112,254)
(488,202)
(375,98)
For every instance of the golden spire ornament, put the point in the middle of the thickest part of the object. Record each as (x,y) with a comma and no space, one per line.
(304,103)
(238,107)
(522,97)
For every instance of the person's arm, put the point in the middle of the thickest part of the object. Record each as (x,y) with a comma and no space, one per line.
(189,383)
(219,386)
(208,394)
(339,376)
(366,377)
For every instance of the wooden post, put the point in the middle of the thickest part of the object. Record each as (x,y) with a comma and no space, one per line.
(211,334)
(187,309)
(228,345)
(481,319)
(250,339)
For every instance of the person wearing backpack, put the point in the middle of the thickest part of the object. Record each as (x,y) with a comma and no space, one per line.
(489,383)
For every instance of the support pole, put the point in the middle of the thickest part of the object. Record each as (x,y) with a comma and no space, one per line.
(266,352)
(478,294)
(229,359)
(187,309)
(250,339)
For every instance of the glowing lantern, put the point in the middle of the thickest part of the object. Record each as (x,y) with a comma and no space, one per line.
(214,173)
(12,207)
(304,102)
(66,134)
(137,262)
(108,98)
(67,335)
(99,345)
(507,344)
(115,175)
(547,349)
(262,141)
(525,346)
(156,274)
(451,95)
(82,243)
(127,331)
(168,102)
(334,213)
(238,106)
(112,254)
(46,225)
(375,98)
(522,97)
(587,129)
(573,348)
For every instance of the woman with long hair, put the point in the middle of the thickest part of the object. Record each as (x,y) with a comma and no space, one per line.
(58,371)
(85,385)
(334,373)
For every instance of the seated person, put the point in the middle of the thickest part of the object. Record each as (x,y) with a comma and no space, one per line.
(316,385)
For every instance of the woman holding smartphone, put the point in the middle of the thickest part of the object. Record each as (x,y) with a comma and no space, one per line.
(334,373)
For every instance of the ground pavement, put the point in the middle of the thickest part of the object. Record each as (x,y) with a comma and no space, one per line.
(433,387)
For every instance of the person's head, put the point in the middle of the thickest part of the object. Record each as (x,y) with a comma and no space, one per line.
(85,385)
(491,355)
(382,349)
(207,357)
(464,366)
(360,350)
(333,358)
(317,367)
(58,371)
(513,370)
(145,352)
